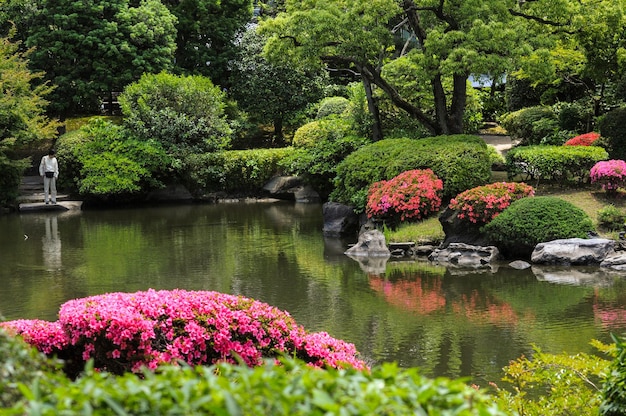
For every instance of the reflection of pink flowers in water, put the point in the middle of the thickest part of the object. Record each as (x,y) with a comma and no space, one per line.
(610,316)
(427,296)
(411,295)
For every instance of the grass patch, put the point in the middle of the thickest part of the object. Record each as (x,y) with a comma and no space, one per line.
(427,231)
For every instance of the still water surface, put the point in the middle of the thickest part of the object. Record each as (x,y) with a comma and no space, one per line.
(446,322)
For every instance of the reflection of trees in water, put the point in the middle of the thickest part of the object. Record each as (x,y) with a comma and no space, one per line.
(51,242)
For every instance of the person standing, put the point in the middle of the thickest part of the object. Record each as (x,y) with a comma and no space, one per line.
(49,171)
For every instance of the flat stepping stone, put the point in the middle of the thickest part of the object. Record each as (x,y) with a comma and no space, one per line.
(59,206)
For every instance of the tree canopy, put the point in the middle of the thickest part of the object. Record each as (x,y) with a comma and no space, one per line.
(88,49)
(441,43)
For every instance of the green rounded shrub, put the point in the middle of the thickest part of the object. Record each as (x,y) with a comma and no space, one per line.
(315,132)
(530,221)
(461,161)
(332,105)
(612,127)
(531,125)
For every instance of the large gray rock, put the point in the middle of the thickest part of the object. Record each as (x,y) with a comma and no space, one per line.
(339,220)
(291,188)
(572,251)
(460,231)
(615,261)
(465,255)
(371,244)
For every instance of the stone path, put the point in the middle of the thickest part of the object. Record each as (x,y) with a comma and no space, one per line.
(31,197)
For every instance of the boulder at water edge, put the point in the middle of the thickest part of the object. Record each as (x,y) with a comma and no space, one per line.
(572,251)
(465,255)
(339,220)
(371,244)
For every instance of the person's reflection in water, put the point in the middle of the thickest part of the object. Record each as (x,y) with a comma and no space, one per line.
(51,245)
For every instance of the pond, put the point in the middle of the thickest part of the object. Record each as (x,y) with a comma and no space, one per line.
(447,322)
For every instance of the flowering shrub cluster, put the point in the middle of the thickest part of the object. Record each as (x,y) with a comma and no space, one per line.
(125,331)
(411,195)
(482,204)
(610,174)
(586,139)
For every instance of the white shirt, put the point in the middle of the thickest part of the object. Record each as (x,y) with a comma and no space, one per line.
(49,164)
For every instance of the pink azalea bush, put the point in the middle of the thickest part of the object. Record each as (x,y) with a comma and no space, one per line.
(586,139)
(126,331)
(411,195)
(610,174)
(482,204)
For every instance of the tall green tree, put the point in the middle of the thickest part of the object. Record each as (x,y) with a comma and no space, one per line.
(447,40)
(90,48)
(576,43)
(23,124)
(271,93)
(207,34)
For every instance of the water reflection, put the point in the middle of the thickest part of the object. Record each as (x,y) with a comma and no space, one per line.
(51,245)
(448,322)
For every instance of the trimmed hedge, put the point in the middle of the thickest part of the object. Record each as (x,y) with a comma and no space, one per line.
(533,220)
(558,163)
(332,105)
(291,389)
(461,161)
(232,171)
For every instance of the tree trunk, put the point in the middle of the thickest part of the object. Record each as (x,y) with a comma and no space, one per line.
(372,105)
(279,138)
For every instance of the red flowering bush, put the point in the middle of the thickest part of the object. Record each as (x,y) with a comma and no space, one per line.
(125,331)
(411,195)
(483,203)
(610,174)
(586,139)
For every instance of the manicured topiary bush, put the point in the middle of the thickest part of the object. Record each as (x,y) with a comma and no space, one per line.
(586,139)
(413,194)
(126,331)
(610,174)
(332,105)
(460,161)
(555,163)
(482,204)
(530,221)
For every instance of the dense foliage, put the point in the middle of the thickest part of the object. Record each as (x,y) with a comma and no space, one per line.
(612,126)
(90,49)
(614,388)
(125,331)
(530,125)
(556,163)
(554,384)
(610,174)
(332,106)
(530,221)
(104,161)
(19,363)
(183,113)
(460,161)
(482,204)
(288,388)
(413,194)
(232,171)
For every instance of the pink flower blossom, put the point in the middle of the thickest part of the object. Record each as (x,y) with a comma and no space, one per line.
(482,204)
(411,195)
(126,331)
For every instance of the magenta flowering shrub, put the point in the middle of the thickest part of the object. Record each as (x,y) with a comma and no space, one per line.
(586,139)
(411,195)
(610,174)
(126,331)
(482,204)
